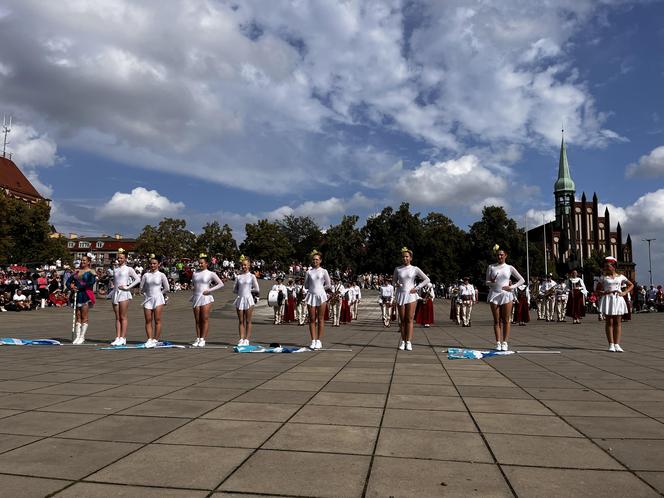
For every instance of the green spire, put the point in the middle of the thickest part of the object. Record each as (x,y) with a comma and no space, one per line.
(564,183)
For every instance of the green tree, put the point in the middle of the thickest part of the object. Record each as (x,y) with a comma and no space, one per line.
(495,227)
(387,233)
(441,248)
(265,240)
(343,246)
(170,239)
(303,235)
(217,240)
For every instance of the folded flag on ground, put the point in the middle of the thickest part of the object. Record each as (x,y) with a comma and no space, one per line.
(10,341)
(159,345)
(252,348)
(473,354)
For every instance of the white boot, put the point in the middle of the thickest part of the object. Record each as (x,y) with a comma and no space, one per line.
(84,329)
(77,330)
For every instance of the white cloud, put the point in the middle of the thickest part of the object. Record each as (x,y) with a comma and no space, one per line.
(29,148)
(649,165)
(323,211)
(535,217)
(140,204)
(462,182)
(241,87)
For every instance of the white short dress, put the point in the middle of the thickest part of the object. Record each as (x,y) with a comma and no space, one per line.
(153,287)
(123,276)
(201,282)
(315,282)
(245,283)
(614,303)
(497,277)
(404,280)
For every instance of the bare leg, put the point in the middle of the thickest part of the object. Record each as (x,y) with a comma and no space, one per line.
(247,322)
(148,322)
(608,329)
(157,322)
(497,330)
(123,307)
(408,315)
(240,324)
(617,328)
(312,322)
(321,321)
(197,319)
(506,315)
(205,316)
(402,321)
(118,321)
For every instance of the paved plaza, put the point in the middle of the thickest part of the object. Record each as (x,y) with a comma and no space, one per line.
(362,419)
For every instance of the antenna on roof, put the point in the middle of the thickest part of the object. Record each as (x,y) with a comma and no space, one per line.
(6,128)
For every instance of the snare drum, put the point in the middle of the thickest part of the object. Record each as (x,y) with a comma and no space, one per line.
(273,298)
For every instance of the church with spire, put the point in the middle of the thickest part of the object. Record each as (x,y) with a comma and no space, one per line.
(578,230)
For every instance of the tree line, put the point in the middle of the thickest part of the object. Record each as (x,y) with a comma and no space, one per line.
(25,233)
(442,249)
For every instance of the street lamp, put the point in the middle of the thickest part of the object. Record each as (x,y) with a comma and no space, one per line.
(649,258)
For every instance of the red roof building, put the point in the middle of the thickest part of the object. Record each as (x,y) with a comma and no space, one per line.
(14,183)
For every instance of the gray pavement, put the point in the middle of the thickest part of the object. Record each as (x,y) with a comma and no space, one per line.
(374,421)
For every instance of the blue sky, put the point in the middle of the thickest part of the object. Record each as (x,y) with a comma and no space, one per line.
(127,112)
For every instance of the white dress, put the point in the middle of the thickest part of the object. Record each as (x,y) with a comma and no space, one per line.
(386,293)
(245,283)
(123,276)
(497,277)
(201,282)
(614,303)
(153,287)
(315,282)
(404,280)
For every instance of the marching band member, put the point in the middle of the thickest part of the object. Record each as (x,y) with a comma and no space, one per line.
(300,304)
(424,307)
(316,281)
(547,293)
(338,290)
(154,285)
(386,299)
(202,298)
(82,282)
(467,295)
(279,308)
(124,279)
(246,287)
(406,296)
(498,279)
(612,304)
(289,314)
(455,312)
(346,298)
(561,300)
(522,314)
(576,306)
(357,297)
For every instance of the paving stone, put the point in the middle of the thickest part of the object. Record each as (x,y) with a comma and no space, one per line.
(11,441)
(371,400)
(538,425)
(356,387)
(543,451)
(434,479)
(655,479)
(437,445)
(229,433)
(324,438)
(636,454)
(63,458)
(26,401)
(531,481)
(28,487)
(518,406)
(493,392)
(565,394)
(616,427)
(289,473)
(95,490)
(420,402)
(197,467)
(42,423)
(94,404)
(125,428)
(171,408)
(590,408)
(205,393)
(428,419)
(74,389)
(276,396)
(339,415)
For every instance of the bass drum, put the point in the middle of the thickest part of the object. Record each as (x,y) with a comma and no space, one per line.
(273,298)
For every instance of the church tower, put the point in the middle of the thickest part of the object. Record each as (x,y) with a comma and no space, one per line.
(564,191)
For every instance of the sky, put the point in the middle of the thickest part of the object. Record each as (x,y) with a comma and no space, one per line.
(126,112)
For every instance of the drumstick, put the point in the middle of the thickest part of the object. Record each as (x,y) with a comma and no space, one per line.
(73,319)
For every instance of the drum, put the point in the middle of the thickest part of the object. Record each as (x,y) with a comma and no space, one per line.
(273,298)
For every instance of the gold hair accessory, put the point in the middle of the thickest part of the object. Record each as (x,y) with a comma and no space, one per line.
(121,250)
(152,256)
(242,258)
(314,253)
(495,248)
(202,255)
